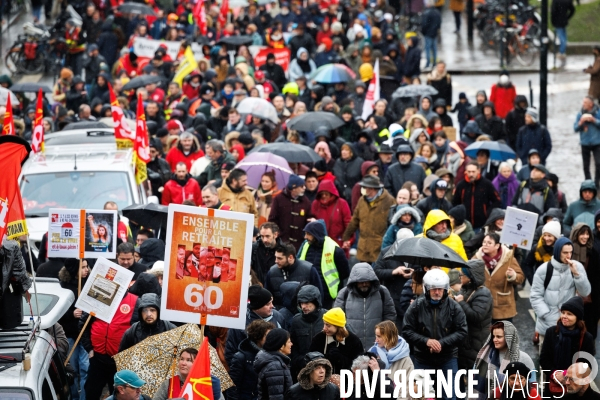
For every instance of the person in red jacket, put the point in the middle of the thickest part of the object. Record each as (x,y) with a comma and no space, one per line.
(187,151)
(181,187)
(503,95)
(101,341)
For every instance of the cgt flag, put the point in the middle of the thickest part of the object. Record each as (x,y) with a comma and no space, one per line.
(37,139)
(141,146)
(123,135)
(9,121)
(15,152)
(200,15)
(198,385)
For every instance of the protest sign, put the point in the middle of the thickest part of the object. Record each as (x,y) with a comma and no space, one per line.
(143,47)
(207,266)
(105,287)
(519,228)
(282,57)
(74,233)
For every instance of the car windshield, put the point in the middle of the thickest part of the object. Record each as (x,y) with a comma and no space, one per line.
(15,394)
(45,301)
(74,189)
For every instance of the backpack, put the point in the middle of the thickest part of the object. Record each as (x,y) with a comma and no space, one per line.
(381,293)
(548,276)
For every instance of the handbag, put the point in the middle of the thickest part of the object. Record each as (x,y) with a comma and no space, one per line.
(11,307)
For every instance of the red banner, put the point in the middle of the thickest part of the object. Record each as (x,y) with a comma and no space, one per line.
(198,385)
(14,152)
(141,146)
(9,122)
(123,135)
(200,15)
(282,57)
(37,138)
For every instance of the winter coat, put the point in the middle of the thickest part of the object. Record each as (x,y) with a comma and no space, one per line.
(159,173)
(594,72)
(274,378)
(213,171)
(395,359)
(347,174)
(276,74)
(383,269)
(506,188)
(399,174)
(561,12)
(263,258)
(433,202)
(304,327)
(339,354)
(581,210)
(397,224)
(370,219)
(108,44)
(300,271)
(141,330)
(514,120)
(445,322)
(503,98)
(477,306)
(295,71)
(240,202)
(442,83)
(534,136)
(563,285)
(363,313)
(494,126)
(431,22)
(453,241)
(589,132)
(336,214)
(305,390)
(176,155)
(502,288)
(548,355)
(13,267)
(241,371)
(479,198)
(538,194)
(68,321)
(412,59)
(176,192)
(457,5)
(291,216)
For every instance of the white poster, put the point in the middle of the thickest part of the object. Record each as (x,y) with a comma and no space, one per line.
(64,233)
(147,47)
(519,228)
(105,287)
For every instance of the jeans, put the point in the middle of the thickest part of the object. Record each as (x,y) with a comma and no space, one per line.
(430,48)
(80,363)
(450,365)
(586,156)
(457,15)
(562,36)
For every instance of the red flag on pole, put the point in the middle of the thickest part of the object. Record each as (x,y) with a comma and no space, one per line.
(123,135)
(198,385)
(15,152)
(200,15)
(224,12)
(37,139)
(9,121)
(141,145)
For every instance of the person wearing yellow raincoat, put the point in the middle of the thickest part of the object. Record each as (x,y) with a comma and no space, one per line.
(438,227)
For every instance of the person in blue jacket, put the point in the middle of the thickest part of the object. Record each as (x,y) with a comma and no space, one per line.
(587,124)
(533,135)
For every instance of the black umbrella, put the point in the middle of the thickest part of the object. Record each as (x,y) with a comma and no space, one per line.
(30,87)
(310,121)
(236,40)
(142,81)
(426,252)
(136,8)
(86,125)
(294,153)
(153,216)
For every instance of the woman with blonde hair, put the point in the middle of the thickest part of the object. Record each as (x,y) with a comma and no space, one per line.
(391,348)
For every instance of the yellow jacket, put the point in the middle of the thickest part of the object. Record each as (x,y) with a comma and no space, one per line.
(453,241)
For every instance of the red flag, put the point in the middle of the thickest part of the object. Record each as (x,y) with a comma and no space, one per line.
(37,139)
(200,15)
(123,135)
(9,122)
(15,152)
(198,385)
(141,146)
(224,12)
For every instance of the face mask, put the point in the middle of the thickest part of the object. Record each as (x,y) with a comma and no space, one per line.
(363,191)
(276,36)
(195,84)
(285,11)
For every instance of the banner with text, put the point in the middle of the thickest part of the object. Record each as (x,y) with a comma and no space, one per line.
(207,266)
(282,57)
(143,47)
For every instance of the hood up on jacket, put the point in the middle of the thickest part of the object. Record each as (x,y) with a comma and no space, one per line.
(309,294)
(363,272)
(520,99)
(434,217)
(146,283)
(149,300)
(317,229)
(421,104)
(495,215)
(596,219)
(327,185)
(552,213)
(560,243)
(405,209)
(151,251)
(288,294)
(364,168)
(489,104)
(477,272)
(588,184)
(405,148)
(304,375)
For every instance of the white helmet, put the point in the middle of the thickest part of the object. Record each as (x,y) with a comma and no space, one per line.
(436,279)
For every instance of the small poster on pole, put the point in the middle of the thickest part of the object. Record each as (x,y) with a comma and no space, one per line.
(104,289)
(519,228)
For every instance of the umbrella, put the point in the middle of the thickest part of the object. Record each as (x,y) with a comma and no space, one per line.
(142,81)
(256,164)
(310,121)
(414,90)
(236,40)
(498,151)
(86,125)
(136,8)
(333,73)
(155,358)
(30,87)
(153,216)
(293,153)
(426,252)
(4,93)
(259,108)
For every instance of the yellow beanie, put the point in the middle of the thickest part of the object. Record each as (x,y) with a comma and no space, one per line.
(366,72)
(335,317)
(408,35)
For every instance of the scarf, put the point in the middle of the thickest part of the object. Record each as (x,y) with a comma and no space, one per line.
(507,187)
(436,76)
(441,151)
(304,65)
(438,237)
(562,347)
(580,253)
(543,253)
(392,355)
(492,262)
(372,199)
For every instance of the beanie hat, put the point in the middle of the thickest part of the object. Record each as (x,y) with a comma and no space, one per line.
(553,228)
(162,132)
(321,166)
(276,339)
(574,305)
(366,72)
(72,266)
(174,124)
(466,271)
(335,317)
(462,95)
(346,110)
(246,138)
(294,182)
(459,213)
(66,73)
(533,113)
(515,367)
(270,56)
(560,243)
(258,297)
(454,276)
(404,233)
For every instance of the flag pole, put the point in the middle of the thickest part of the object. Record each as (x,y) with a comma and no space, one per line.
(87,321)
(37,306)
